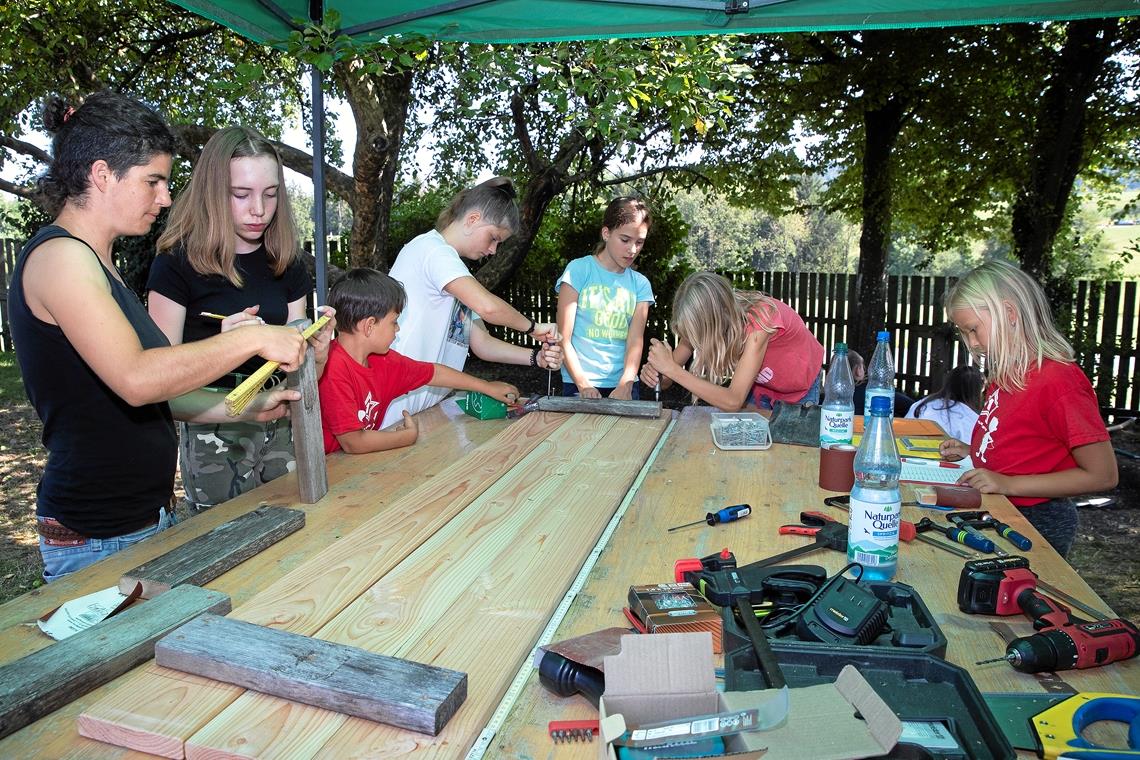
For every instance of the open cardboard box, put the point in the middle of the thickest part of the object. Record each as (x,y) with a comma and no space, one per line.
(670,675)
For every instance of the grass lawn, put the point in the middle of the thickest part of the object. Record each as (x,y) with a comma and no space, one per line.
(21,461)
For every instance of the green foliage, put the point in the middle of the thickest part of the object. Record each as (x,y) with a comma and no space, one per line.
(572,228)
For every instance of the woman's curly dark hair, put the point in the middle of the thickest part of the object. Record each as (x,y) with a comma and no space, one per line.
(108,126)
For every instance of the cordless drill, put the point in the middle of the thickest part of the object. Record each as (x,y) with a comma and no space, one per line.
(1062,643)
(1007,586)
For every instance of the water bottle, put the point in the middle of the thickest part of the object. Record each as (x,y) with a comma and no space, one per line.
(881,372)
(837,418)
(876,506)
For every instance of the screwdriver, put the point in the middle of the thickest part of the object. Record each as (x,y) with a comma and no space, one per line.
(726,515)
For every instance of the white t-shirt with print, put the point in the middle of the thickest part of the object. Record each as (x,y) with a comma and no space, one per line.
(434,326)
(956,418)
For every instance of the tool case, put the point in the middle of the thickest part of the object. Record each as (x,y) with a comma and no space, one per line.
(909,624)
(936,700)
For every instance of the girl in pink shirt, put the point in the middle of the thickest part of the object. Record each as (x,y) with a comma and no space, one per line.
(759,345)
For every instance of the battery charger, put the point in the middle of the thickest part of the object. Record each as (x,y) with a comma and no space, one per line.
(844,613)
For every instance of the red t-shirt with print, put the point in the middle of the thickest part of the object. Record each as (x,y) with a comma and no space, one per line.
(793,357)
(1033,431)
(355,397)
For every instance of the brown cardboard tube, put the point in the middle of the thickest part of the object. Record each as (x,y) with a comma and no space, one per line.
(837,467)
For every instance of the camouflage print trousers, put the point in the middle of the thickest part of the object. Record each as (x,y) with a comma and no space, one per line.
(221,461)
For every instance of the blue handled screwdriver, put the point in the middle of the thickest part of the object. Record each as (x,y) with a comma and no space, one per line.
(726,515)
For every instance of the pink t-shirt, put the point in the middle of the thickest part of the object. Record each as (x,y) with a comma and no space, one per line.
(1033,431)
(792,359)
(354,397)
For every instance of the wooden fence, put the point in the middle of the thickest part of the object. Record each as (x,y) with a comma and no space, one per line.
(1105,335)
(925,344)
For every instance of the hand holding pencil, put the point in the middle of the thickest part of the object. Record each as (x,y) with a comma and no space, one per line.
(245,317)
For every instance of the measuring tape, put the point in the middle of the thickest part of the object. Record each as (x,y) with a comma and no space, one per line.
(519,683)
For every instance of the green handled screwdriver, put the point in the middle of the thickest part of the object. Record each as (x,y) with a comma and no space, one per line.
(726,515)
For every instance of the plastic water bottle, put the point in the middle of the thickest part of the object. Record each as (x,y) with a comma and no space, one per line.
(881,372)
(837,418)
(876,506)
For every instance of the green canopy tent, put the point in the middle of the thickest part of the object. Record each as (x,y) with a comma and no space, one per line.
(270,22)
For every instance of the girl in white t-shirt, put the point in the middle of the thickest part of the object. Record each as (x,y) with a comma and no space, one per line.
(955,405)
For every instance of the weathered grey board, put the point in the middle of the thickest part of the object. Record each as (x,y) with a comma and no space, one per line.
(204,558)
(619,407)
(48,679)
(315,672)
(308,438)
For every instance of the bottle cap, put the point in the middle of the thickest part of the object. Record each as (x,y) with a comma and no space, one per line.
(883,335)
(840,348)
(880,404)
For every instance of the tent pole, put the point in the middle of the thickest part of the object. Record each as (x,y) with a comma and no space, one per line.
(320,234)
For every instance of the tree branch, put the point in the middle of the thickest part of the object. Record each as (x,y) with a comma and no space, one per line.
(25,148)
(21,191)
(191,138)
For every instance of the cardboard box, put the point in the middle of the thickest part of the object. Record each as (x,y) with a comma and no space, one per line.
(675,608)
(670,676)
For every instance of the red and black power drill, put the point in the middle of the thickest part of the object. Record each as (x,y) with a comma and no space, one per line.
(1007,586)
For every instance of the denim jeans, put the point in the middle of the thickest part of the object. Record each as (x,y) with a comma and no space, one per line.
(764,401)
(64,560)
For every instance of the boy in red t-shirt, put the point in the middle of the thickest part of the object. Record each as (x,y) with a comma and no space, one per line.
(363,376)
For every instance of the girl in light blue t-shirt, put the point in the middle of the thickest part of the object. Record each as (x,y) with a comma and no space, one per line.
(603,305)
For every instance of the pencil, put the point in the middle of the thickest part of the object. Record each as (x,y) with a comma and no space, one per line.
(211,315)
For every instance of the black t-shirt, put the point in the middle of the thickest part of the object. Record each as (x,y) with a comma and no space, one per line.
(110,465)
(172,276)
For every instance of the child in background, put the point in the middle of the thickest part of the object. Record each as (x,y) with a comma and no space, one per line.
(1039,439)
(603,305)
(955,405)
(362,375)
(447,306)
(903,402)
(761,343)
(231,247)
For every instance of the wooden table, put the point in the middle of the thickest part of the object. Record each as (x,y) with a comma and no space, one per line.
(691,477)
(687,476)
(360,487)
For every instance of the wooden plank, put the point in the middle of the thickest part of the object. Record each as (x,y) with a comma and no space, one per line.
(619,407)
(478,593)
(204,558)
(158,708)
(308,437)
(43,681)
(324,674)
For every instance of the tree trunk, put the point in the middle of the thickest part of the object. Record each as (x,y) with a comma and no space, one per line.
(379,105)
(882,121)
(1058,151)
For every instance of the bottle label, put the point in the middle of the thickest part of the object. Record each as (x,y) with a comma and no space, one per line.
(873,532)
(836,426)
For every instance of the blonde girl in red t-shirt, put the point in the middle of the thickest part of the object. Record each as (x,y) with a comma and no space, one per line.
(750,337)
(1039,438)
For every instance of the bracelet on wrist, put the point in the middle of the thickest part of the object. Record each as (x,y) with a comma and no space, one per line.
(534,355)
(529,329)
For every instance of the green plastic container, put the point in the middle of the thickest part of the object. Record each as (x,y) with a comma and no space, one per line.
(482,407)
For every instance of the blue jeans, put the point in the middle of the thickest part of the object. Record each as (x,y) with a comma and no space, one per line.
(570,389)
(64,560)
(764,401)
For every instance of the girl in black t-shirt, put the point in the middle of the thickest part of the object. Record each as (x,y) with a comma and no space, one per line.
(230,248)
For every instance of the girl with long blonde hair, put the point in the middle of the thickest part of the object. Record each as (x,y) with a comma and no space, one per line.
(1039,438)
(757,344)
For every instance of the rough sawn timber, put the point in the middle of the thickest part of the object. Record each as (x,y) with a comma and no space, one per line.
(324,674)
(156,709)
(44,681)
(475,597)
(204,558)
(615,406)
